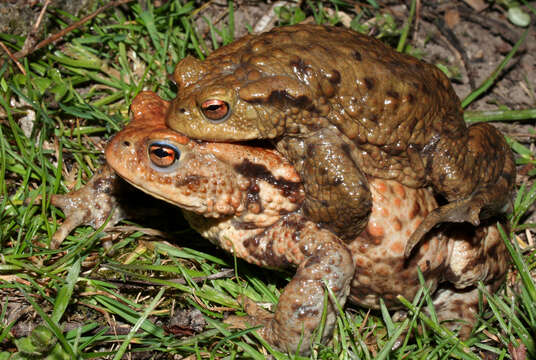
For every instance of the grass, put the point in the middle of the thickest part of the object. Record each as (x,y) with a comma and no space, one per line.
(54,119)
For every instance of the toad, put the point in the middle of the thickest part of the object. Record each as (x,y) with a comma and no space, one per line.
(343,107)
(248,201)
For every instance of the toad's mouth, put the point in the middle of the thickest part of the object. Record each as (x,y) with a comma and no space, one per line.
(259,143)
(255,143)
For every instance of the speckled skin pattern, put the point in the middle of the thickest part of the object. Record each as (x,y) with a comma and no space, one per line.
(248,200)
(342,107)
(90,205)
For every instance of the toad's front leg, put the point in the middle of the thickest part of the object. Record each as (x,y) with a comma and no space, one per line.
(337,192)
(93,204)
(323,261)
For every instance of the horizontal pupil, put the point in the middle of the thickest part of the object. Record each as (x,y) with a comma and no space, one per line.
(161,153)
(213,107)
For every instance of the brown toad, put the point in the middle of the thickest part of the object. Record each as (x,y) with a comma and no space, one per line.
(342,107)
(248,201)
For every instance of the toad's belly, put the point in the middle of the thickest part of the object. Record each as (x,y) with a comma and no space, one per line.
(378,252)
(459,253)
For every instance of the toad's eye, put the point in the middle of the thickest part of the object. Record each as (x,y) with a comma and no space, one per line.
(163,155)
(215,110)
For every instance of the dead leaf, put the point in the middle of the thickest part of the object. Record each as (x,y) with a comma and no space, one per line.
(517,353)
(452,18)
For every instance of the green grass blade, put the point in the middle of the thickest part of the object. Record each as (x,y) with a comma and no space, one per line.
(66,291)
(405,31)
(472,117)
(52,325)
(138,324)
(520,264)
(491,79)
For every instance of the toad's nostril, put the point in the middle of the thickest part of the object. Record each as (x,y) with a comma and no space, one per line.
(126,143)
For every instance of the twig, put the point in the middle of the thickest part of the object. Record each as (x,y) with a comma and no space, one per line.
(31,39)
(453,43)
(70,28)
(41,16)
(521,135)
(129,283)
(417,20)
(12,57)
(456,46)
(491,79)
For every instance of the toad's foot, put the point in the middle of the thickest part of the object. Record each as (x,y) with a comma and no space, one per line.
(470,210)
(459,309)
(466,210)
(256,315)
(91,205)
(475,255)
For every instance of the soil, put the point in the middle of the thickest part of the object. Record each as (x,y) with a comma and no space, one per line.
(18,17)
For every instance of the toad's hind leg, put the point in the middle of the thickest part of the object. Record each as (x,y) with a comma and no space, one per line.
(457,309)
(476,173)
(475,254)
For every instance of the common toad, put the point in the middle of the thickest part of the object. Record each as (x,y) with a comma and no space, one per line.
(343,107)
(248,201)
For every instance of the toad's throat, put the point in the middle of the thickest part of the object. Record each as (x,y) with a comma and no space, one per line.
(183,206)
(258,143)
